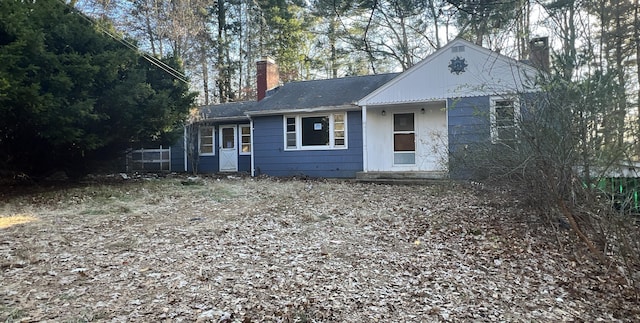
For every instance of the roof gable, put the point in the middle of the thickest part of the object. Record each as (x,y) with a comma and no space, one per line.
(434,78)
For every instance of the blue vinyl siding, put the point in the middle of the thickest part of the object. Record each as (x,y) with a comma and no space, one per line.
(272,159)
(177,156)
(208,164)
(244,163)
(211,164)
(468,121)
(468,125)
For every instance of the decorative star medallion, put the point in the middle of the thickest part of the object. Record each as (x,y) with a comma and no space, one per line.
(457,65)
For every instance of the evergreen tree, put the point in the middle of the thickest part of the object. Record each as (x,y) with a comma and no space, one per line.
(70,92)
(285,35)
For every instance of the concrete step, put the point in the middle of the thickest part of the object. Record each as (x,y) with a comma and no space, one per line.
(402,177)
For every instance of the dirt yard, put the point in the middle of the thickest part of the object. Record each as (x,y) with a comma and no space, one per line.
(238,249)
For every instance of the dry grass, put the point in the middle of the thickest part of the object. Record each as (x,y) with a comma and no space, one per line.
(242,249)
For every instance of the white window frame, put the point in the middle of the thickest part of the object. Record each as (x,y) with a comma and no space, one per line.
(213,141)
(241,143)
(495,133)
(298,131)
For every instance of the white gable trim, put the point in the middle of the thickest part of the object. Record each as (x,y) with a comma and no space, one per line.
(476,86)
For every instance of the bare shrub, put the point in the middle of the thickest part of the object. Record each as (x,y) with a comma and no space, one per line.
(570,139)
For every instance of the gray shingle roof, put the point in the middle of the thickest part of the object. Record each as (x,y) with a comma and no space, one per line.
(233,110)
(322,93)
(302,95)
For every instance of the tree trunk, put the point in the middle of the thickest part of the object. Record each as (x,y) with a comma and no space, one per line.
(432,8)
(150,34)
(406,52)
(205,73)
(636,34)
(621,106)
(332,42)
(368,49)
(523,32)
(222,43)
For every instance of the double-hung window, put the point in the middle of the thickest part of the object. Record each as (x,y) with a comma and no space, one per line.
(206,141)
(504,120)
(316,131)
(245,139)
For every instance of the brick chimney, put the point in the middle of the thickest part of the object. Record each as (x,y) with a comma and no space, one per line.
(267,76)
(539,53)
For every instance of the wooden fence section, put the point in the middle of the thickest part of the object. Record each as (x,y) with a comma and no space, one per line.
(149,160)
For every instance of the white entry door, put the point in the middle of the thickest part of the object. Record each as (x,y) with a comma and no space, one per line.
(228,149)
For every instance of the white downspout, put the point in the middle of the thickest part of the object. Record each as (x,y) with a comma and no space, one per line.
(446,147)
(253,168)
(365,163)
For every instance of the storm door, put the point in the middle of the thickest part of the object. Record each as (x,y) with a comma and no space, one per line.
(404,139)
(228,149)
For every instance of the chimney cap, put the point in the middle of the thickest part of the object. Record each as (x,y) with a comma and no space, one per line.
(267,59)
(539,41)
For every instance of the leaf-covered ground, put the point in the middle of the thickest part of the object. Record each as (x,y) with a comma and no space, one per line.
(254,250)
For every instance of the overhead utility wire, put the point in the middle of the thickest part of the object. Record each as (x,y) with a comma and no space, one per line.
(151,59)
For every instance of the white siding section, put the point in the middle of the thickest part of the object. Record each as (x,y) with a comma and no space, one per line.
(487,73)
(431,137)
(379,138)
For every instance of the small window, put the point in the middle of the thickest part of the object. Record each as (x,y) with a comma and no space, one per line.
(228,138)
(245,139)
(504,120)
(457,49)
(206,141)
(316,131)
(291,133)
(338,130)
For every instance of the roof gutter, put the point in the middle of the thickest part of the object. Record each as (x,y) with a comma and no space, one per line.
(224,119)
(348,107)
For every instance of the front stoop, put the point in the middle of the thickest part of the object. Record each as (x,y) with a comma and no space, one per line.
(403,177)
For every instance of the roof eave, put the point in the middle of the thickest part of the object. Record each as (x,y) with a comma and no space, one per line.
(426,100)
(224,119)
(344,107)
